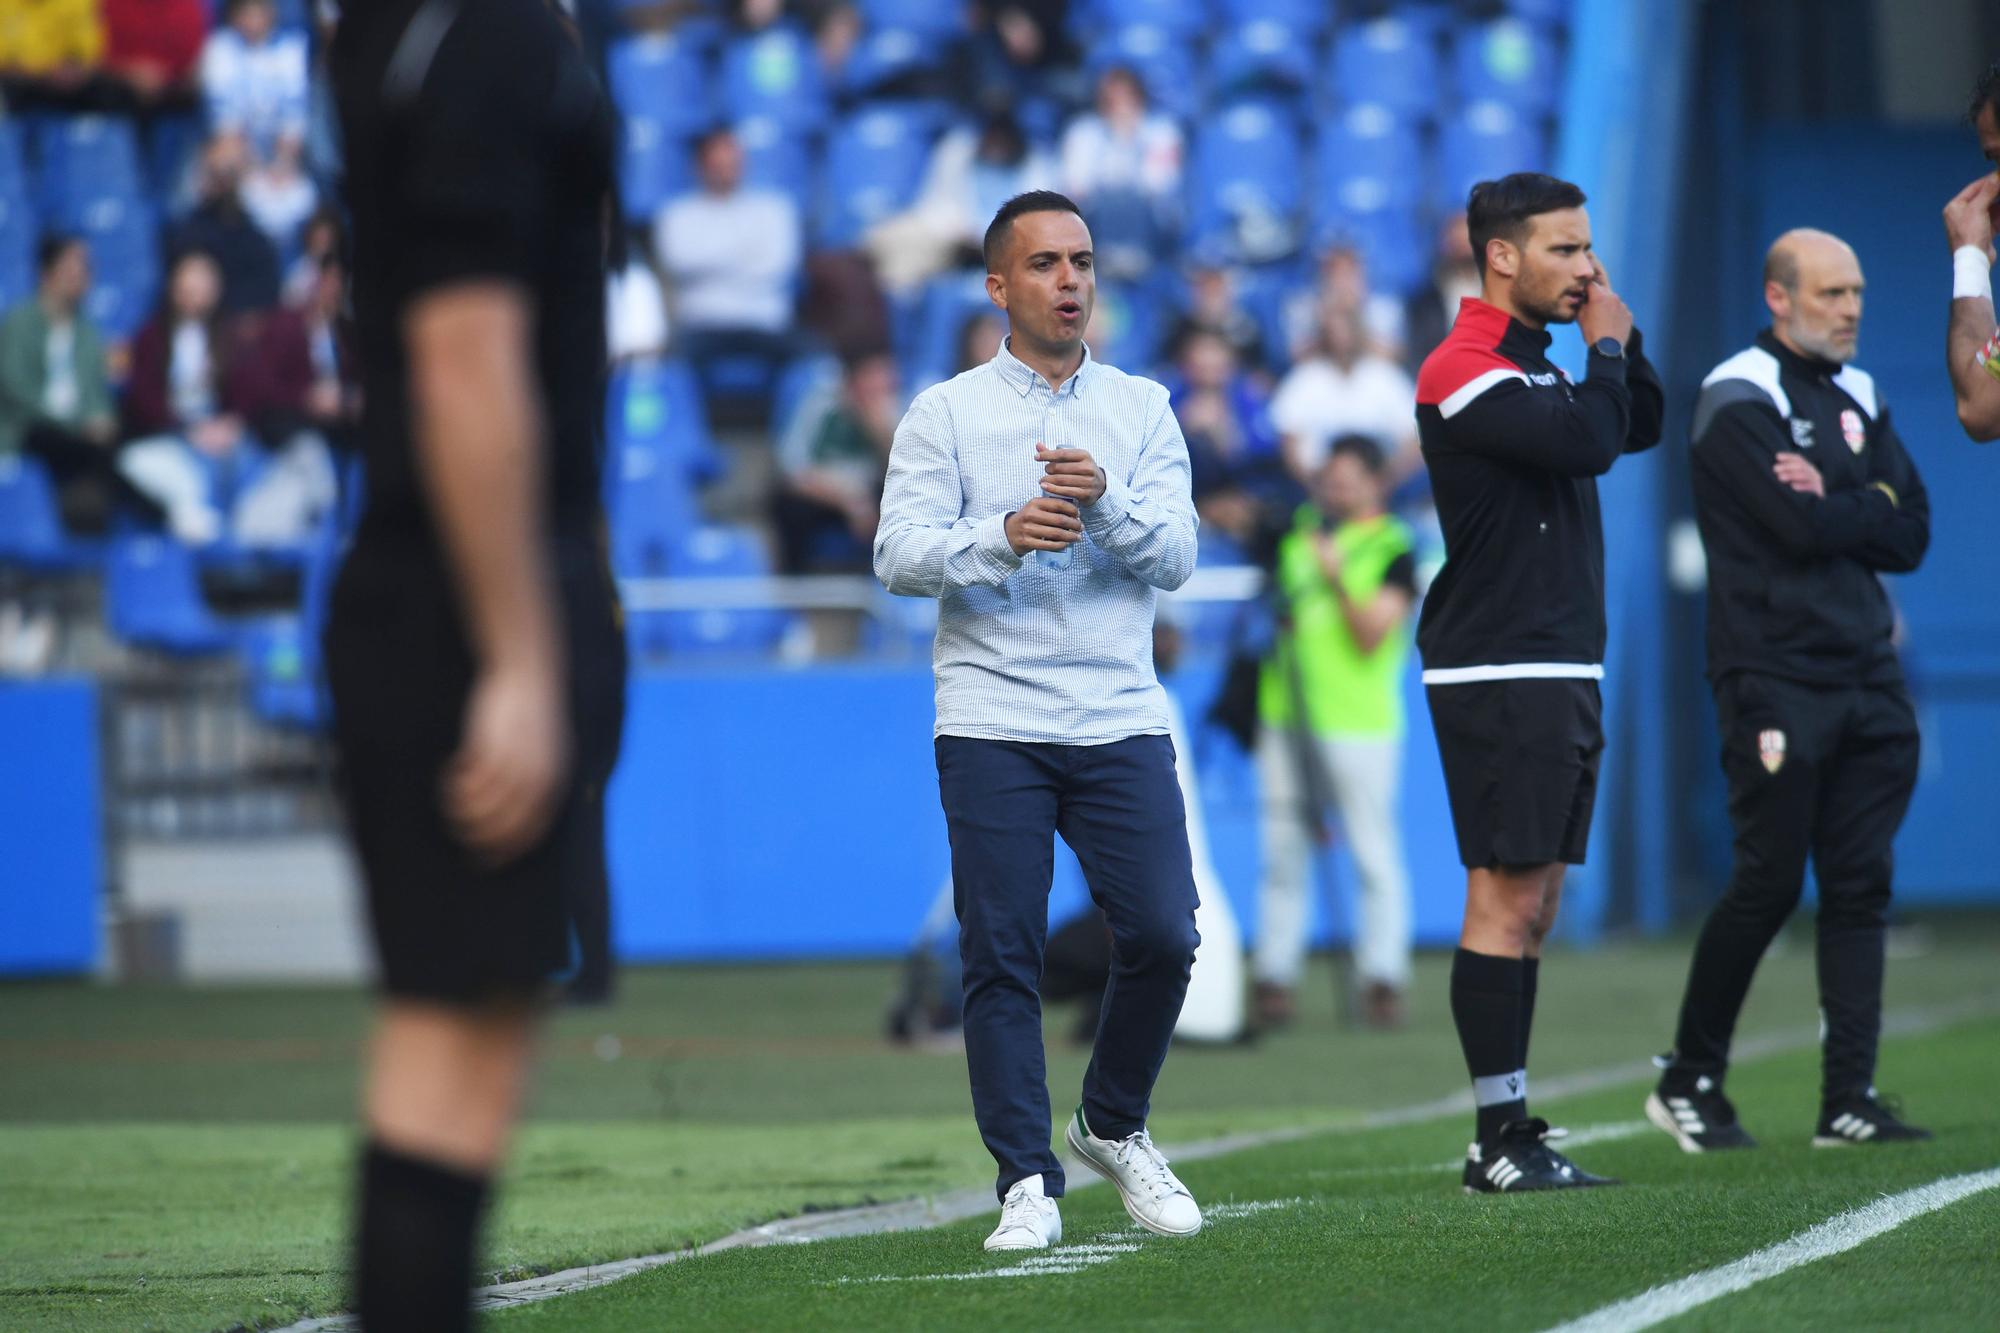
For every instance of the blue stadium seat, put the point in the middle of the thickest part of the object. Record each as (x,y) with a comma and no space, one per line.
(874,164)
(925,16)
(1548,13)
(663,78)
(657,406)
(1245,186)
(649,505)
(775,73)
(86,158)
(1262,55)
(1183,18)
(1305,17)
(653,166)
(719,551)
(18,233)
(889,52)
(1368,159)
(152,599)
(1511,62)
(946,303)
(125,261)
(281,654)
(1393,241)
(777,158)
(1485,141)
(172,143)
(32,535)
(13,164)
(1163,60)
(1390,62)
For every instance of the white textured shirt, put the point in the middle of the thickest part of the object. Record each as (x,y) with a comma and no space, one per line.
(1025,651)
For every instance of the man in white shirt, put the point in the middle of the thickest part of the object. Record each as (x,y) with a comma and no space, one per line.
(1042,498)
(1344,389)
(731,256)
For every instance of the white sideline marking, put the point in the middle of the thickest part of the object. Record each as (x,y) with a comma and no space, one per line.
(957,1206)
(1228,1212)
(1837,1234)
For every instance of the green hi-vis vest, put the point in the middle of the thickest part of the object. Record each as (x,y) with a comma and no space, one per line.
(1347,692)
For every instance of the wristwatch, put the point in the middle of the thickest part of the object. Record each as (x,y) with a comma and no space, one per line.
(1608,347)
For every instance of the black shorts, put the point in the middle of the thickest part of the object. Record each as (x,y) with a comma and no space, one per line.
(1520,767)
(446,927)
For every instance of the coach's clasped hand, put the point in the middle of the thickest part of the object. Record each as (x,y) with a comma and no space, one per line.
(1072,474)
(1043,524)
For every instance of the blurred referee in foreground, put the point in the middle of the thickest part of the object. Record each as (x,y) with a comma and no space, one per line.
(474,651)
(1512,633)
(1804,495)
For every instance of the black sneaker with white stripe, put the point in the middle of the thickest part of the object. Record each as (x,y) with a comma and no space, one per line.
(1520,1159)
(1863,1119)
(1694,1111)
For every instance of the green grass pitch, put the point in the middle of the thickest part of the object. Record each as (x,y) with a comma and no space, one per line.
(177,1160)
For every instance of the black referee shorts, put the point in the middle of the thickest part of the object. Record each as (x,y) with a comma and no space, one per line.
(448,928)
(1520,767)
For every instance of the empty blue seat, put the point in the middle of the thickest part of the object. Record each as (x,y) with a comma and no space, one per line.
(1485,141)
(1261,54)
(281,654)
(152,599)
(721,551)
(85,158)
(874,164)
(172,142)
(1308,18)
(32,535)
(1245,184)
(946,303)
(1390,62)
(650,506)
(1184,18)
(18,233)
(1394,243)
(1365,161)
(1162,58)
(889,52)
(925,16)
(776,157)
(125,262)
(1549,13)
(13,165)
(664,78)
(1511,62)
(657,406)
(775,73)
(653,166)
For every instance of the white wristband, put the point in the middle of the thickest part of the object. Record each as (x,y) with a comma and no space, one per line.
(1971,274)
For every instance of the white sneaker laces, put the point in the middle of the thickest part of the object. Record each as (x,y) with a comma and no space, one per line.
(1018,1211)
(1148,1164)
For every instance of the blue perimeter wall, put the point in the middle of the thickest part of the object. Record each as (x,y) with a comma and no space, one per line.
(50,809)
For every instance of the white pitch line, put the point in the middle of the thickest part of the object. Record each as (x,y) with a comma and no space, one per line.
(959,1205)
(1834,1236)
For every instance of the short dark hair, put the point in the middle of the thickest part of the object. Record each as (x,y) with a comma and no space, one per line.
(52,247)
(1985,93)
(1034,201)
(1363,449)
(1504,208)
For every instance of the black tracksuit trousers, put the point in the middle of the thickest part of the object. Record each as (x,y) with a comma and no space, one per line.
(1815,771)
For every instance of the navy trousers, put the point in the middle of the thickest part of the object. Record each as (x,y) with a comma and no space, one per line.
(1119,808)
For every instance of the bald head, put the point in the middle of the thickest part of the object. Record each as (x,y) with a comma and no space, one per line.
(1812,283)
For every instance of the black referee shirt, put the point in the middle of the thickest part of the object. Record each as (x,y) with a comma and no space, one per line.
(1792,586)
(479,145)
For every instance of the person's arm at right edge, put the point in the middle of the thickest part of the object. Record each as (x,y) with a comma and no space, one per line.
(1970,336)
(923,547)
(477,422)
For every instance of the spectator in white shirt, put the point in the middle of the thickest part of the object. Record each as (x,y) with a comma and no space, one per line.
(1123,162)
(971,173)
(635,309)
(254,77)
(731,256)
(1343,388)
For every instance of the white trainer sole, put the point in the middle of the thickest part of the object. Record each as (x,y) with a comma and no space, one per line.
(1069,1137)
(1657,1112)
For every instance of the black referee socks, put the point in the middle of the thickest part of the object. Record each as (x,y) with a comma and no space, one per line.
(1531,971)
(413,1261)
(1489,1004)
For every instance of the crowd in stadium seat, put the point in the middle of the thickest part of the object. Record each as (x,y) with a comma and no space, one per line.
(1272,186)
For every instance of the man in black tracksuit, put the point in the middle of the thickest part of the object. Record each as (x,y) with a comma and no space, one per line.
(1804,495)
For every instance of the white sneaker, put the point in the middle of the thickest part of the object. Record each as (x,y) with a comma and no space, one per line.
(1153,1195)
(1029,1219)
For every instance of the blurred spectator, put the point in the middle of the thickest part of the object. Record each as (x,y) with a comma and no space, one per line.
(1019,49)
(1343,284)
(278,194)
(1212,304)
(979,339)
(1345,389)
(220,226)
(197,379)
(154,48)
(731,257)
(292,373)
(834,458)
(1232,448)
(55,396)
(323,237)
(635,309)
(50,45)
(254,76)
(970,174)
(1123,163)
(1428,315)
